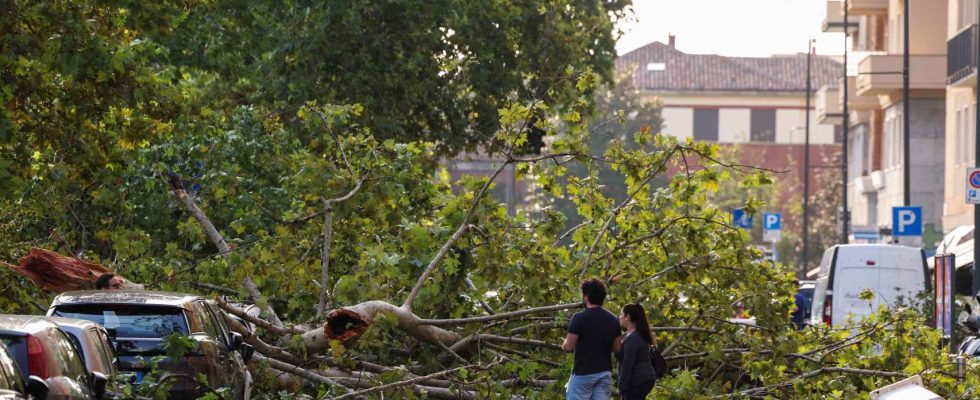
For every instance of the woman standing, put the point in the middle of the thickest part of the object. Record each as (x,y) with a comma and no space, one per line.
(636,374)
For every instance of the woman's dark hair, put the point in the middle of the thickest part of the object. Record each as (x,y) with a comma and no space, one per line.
(639,318)
(595,291)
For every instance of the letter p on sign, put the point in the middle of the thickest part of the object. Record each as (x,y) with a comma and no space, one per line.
(907,221)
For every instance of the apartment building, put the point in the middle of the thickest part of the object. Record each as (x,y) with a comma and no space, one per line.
(756,103)
(961,80)
(875,136)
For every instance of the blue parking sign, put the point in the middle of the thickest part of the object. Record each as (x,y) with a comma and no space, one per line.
(741,219)
(906,221)
(772,221)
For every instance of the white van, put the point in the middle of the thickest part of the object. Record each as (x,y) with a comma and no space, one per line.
(890,271)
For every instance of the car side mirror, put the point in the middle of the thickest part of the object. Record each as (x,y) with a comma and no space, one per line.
(237,340)
(37,388)
(247,352)
(98,382)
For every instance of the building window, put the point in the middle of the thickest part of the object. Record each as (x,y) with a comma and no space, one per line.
(706,124)
(763,126)
(838,134)
(961,133)
(971,132)
(967,13)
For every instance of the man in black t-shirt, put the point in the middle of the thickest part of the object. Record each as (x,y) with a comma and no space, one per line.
(593,334)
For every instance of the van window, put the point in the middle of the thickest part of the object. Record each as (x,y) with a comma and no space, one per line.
(828,257)
(819,297)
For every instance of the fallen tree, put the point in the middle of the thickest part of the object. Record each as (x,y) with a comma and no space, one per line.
(420,289)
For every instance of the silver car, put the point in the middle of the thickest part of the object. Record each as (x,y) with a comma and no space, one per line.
(42,349)
(93,342)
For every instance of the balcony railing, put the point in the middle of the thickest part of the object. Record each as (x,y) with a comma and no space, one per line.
(961,53)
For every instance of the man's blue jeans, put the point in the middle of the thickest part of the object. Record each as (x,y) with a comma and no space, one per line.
(589,387)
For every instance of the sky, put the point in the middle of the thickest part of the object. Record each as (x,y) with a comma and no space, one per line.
(755,28)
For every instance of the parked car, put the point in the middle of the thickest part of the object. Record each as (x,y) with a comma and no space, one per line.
(43,350)
(806,289)
(139,322)
(93,343)
(889,271)
(12,383)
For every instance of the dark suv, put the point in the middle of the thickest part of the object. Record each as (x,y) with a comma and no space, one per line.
(43,350)
(138,322)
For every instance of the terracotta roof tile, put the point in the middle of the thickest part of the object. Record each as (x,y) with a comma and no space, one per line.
(709,72)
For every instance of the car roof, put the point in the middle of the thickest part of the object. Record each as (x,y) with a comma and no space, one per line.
(137,297)
(25,323)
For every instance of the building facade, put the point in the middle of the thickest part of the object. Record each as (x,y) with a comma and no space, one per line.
(756,103)
(875,103)
(961,103)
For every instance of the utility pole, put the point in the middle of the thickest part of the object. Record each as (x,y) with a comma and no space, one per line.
(806,164)
(906,100)
(845,214)
(976,153)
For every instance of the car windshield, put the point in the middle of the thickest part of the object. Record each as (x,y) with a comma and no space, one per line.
(129,321)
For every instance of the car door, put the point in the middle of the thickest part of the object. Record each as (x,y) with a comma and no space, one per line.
(856,271)
(231,360)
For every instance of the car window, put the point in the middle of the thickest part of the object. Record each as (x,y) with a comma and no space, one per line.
(128,321)
(63,356)
(11,374)
(78,345)
(219,315)
(18,347)
(107,350)
(99,348)
(210,325)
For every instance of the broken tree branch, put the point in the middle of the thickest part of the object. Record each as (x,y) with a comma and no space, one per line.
(325,253)
(507,315)
(406,382)
(220,243)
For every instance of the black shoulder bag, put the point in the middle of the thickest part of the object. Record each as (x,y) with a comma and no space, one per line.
(658,361)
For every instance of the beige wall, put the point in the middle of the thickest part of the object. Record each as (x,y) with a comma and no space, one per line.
(959,155)
(734,116)
(927,34)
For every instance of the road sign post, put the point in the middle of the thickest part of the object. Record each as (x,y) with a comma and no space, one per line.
(973,185)
(772,225)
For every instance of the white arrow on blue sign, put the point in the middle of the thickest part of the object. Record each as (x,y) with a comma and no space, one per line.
(741,219)
(907,221)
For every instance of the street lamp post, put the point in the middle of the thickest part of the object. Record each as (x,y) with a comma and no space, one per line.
(806,164)
(976,156)
(845,215)
(906,100)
